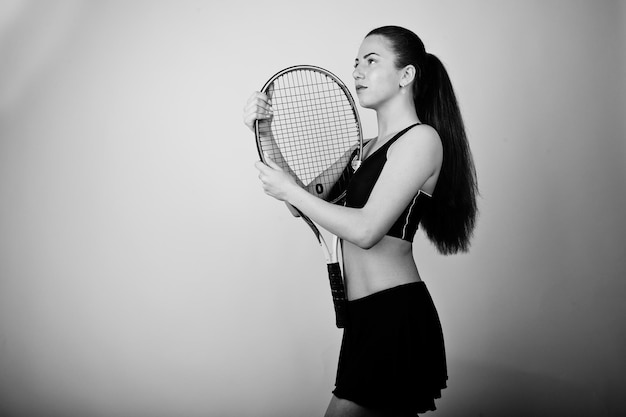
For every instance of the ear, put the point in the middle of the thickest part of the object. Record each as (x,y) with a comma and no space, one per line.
(407,75)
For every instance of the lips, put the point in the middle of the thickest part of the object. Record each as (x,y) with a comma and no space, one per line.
(360,88)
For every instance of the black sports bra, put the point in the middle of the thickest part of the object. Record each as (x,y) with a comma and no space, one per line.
(363,181)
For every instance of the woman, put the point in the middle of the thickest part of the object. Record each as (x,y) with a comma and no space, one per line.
(418,170)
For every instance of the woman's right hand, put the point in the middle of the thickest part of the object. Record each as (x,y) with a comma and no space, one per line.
(258,107)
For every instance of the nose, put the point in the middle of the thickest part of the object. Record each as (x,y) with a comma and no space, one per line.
(357,74)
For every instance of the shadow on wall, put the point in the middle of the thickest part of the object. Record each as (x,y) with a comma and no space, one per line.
(492,391)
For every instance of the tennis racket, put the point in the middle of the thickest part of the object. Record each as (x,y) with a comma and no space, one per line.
(315,136)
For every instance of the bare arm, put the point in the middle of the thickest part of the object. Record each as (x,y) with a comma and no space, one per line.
(411,161)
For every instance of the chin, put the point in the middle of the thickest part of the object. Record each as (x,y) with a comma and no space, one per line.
(365,104)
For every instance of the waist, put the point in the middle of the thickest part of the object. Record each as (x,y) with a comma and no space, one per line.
(388,264)
(390,293)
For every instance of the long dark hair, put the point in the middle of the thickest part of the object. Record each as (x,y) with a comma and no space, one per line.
(450,218)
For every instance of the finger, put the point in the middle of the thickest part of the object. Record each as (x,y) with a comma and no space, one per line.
(252,116)
(258,96)
(257,108)
(261,167)
(261,110)
(258,100)
(270,162)
(264,102)
(262,98)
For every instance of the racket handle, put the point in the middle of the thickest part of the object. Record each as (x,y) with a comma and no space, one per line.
(339,294)
(293,210)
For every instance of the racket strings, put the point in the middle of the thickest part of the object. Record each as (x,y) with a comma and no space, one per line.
(313,129)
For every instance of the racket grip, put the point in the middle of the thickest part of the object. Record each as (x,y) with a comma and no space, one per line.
(293,210)
(339,294)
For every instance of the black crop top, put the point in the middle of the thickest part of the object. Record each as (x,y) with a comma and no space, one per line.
(363,181)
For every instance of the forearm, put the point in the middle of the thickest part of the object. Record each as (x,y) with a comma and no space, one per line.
(347,223)
(363,227)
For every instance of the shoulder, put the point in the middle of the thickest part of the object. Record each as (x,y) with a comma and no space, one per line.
(421,140)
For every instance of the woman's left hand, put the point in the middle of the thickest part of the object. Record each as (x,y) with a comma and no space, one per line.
(276,182)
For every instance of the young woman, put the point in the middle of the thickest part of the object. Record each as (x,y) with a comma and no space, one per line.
(418,170)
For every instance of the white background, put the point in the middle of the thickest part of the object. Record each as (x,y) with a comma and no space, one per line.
(144,273)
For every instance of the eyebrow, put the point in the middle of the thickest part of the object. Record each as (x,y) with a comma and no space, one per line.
(366,55)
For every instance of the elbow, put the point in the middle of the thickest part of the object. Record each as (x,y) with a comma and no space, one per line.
(367,238)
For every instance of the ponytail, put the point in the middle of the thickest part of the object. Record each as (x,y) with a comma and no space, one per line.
(450,218)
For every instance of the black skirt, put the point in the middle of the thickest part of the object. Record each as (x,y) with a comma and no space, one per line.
(392,353)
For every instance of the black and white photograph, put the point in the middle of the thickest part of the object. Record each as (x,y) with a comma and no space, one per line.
(326,208)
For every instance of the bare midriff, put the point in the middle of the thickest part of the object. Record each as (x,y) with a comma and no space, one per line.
(387,264)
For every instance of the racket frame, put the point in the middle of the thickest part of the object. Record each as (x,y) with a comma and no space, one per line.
(356,163)
(331,253)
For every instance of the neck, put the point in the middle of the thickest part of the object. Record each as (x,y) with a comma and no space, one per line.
(395,116)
